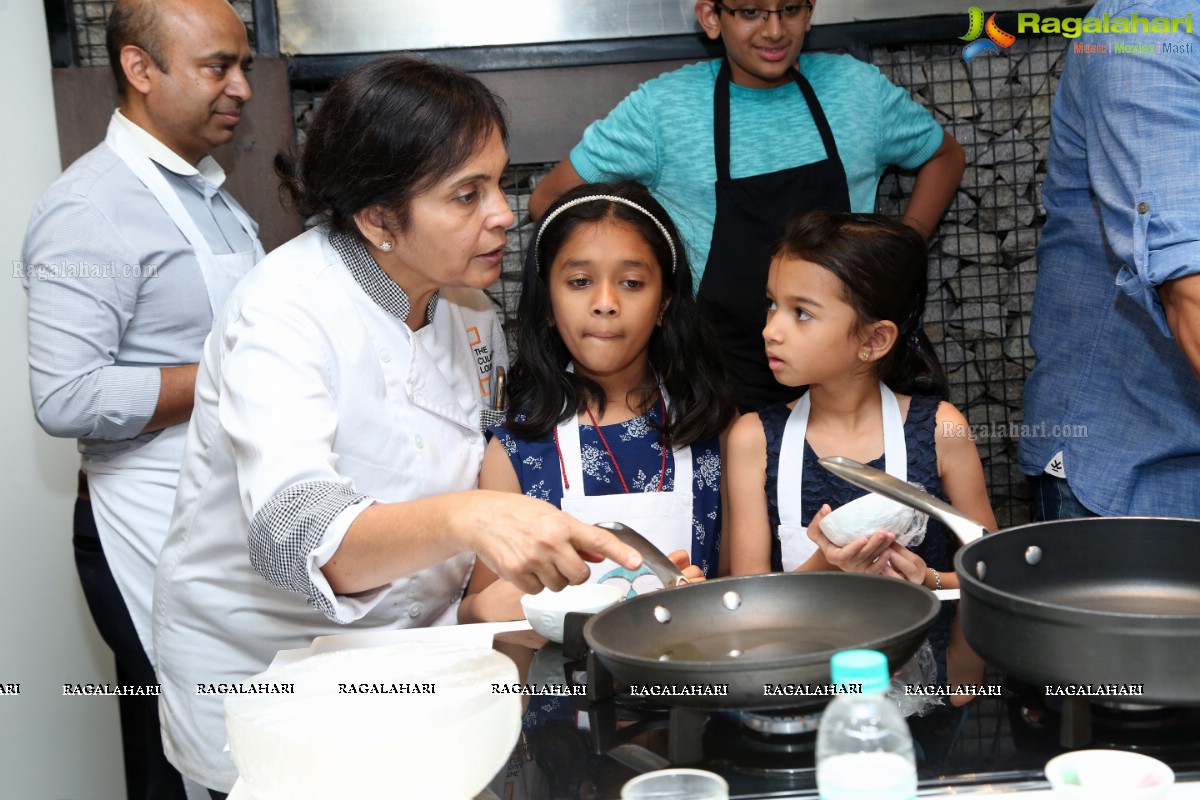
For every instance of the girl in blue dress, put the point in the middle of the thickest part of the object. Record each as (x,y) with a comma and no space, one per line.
(617,398)
(845,295)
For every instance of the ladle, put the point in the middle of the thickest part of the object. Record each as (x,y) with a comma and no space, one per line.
(874,480)
(655,559)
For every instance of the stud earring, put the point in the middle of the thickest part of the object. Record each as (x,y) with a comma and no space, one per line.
(864,356)
(385,246)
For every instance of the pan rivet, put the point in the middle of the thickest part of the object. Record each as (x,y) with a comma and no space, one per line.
(665,657)
(731,600)
(734,653)
(980,570)
(1033,555)
(662,615)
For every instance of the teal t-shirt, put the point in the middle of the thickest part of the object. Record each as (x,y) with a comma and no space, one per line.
(661,134)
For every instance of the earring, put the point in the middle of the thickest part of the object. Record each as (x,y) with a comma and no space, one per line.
(864,356)
(385,246)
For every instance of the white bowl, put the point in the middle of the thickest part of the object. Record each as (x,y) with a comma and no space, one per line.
(1108,775)
(864,516)
(546,610)
(410,720)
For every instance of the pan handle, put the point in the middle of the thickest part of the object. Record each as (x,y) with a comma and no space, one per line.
(873,480)
(662,567)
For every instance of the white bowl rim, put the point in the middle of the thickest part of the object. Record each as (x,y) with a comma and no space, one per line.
(1152,765)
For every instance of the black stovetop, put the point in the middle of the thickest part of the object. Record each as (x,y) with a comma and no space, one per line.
(571,747)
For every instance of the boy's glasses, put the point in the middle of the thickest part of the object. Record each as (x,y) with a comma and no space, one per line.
(751,15)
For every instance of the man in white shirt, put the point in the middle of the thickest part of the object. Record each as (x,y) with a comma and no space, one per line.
(128,257)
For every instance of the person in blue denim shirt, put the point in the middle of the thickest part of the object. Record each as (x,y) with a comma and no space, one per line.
(1112,407)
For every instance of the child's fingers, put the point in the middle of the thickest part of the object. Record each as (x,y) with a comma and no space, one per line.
(680,558)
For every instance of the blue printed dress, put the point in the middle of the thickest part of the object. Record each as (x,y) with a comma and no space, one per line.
(637,446)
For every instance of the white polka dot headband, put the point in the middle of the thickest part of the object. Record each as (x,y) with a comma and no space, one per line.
(537,242)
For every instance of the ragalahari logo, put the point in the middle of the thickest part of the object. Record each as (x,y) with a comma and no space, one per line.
(996,39)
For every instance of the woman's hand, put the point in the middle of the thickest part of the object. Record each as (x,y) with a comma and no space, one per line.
(681,559)
(877,554)
(534,545)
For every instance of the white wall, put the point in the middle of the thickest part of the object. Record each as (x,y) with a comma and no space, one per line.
(51,747)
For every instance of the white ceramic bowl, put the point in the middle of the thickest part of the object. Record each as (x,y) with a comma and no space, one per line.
(546,610)
(1108,775)
(864,516)
(684,784)
(410,720)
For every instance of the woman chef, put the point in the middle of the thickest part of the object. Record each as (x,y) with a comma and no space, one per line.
(340,405)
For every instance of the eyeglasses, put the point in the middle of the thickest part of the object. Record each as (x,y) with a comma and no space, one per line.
(750,15)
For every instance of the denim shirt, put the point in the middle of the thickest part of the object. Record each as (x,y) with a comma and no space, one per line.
(1111,388)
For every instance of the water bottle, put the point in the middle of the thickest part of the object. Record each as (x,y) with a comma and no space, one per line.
(864,748)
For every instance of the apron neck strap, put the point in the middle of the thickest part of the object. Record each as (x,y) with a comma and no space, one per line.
(721,117)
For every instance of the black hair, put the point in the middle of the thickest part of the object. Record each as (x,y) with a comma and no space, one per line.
(883,266)
(133,22)
(682,351)
(383,134)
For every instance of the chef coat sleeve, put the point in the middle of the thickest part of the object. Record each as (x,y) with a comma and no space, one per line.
(1143,145)
(278,386)
(83,281)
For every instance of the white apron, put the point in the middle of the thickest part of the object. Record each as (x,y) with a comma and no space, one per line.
(795,546)
(665,518)
(133,493)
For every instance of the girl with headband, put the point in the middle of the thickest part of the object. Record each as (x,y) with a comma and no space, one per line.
(844,298)
(617,397)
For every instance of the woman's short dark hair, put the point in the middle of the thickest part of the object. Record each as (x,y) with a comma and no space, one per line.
(883,265)
(383,134)
(682,354)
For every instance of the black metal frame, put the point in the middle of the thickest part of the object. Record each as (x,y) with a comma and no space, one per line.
(855,38)
(60,27)
(852,37)
(266,28)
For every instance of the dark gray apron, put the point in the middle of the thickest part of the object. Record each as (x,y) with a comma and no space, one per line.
(751,216)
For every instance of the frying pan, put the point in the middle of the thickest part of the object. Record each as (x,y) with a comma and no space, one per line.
(1106,601)
(746,632)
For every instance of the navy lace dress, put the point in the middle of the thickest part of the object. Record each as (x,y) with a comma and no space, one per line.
(821,486)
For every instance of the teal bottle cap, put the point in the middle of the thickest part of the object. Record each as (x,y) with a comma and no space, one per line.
(868,668)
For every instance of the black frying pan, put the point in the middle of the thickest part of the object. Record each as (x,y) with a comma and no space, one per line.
(1102,601)
(750,631)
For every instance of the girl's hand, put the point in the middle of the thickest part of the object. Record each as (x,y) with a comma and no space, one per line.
(900,562)
(865,554)
(690,571)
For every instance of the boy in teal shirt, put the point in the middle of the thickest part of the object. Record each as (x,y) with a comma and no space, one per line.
(736,146)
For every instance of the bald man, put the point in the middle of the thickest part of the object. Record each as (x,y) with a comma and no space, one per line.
(127,258)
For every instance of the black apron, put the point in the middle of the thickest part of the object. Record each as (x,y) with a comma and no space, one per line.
(751,216)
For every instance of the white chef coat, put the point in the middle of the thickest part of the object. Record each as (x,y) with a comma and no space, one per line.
(306,378)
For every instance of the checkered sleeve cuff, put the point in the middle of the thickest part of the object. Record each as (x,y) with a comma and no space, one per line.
(289,527)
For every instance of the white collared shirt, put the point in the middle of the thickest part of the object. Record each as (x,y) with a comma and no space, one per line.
(115,291)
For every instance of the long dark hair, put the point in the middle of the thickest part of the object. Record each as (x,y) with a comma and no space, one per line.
(682,353)
(883,266)
(383,134)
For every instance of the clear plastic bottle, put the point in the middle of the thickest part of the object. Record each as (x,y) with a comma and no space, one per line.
(864,748)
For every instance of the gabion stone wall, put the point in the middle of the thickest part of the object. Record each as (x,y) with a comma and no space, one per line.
(91,16)
(983,265)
